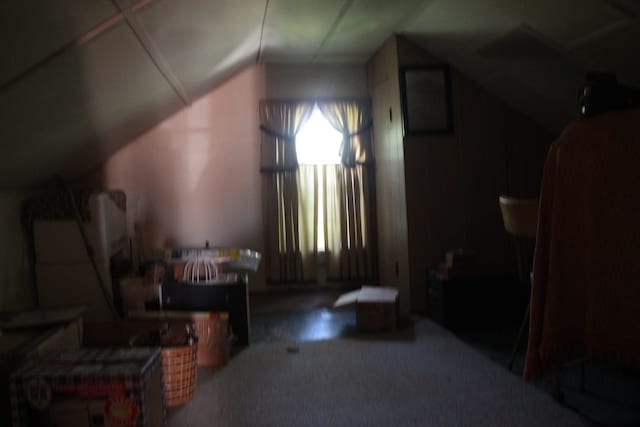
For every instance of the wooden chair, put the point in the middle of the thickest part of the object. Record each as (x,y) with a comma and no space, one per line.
(520,217)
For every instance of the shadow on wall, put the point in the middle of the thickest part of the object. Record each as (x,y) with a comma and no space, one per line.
(16,283)
(42,86)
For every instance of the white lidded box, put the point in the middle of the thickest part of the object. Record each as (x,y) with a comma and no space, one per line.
(376,308)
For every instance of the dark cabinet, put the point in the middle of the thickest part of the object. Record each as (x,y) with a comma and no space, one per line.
(470,301)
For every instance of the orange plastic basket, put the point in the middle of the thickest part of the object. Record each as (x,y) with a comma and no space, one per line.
(214,339)
(179,365)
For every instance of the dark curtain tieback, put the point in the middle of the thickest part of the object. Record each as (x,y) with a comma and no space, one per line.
(292,139)
(349,162)
(363,129)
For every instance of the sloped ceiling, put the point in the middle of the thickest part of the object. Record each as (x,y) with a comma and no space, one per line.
(80,79)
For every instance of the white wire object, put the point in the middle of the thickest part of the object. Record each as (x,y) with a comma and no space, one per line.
(228,259)
(200,270)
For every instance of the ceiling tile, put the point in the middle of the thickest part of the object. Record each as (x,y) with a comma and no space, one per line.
(367,24)
(30,31)
(631,7)
(76,103)
(515,45)
(565,22)
(617,52)
(458,28)
(460,17)
(297,27)
(203,39)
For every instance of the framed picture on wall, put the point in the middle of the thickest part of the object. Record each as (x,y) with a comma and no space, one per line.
(426,100)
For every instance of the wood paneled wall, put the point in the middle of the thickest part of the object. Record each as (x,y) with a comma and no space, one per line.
(390,173)
(451,182)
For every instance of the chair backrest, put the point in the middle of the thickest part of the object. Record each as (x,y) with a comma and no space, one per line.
(520,216)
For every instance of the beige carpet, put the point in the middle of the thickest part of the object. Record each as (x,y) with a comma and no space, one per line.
(431,380)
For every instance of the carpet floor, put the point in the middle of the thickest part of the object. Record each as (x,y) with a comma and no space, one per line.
(421,376)
(312,325)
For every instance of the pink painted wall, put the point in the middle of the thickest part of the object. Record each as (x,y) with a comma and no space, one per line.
(195,176)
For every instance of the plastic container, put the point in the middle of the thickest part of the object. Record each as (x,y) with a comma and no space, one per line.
(214,338)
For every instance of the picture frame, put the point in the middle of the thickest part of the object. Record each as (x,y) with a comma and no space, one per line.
(426,100)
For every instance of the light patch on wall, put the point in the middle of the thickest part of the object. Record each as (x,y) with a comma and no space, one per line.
(196,158)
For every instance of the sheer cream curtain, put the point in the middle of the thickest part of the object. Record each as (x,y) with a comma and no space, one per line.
(280,122)
(308,193)
(349,200)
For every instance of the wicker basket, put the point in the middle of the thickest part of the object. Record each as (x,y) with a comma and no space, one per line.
(179,367)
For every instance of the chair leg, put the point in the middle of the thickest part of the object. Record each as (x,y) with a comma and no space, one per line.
(516,346)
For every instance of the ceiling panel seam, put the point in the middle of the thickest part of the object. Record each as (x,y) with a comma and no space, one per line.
(552,44)
(152,50)
(82,39)
(264,19)
(620,24)
(614,4)
(598,34)
(341,14)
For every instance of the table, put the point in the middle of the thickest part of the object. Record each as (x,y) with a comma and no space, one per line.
(232,298)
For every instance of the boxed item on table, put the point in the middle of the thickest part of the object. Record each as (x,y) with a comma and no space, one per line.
(90,387)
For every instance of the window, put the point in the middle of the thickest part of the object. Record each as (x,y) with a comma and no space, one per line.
(316,163)
(318,143)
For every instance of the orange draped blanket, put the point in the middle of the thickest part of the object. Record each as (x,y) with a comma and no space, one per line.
(585,298)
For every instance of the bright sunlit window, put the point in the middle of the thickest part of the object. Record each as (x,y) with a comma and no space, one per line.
(318,143)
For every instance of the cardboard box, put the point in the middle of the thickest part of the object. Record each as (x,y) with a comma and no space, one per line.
(376,308)
(29,334)
(90,387)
